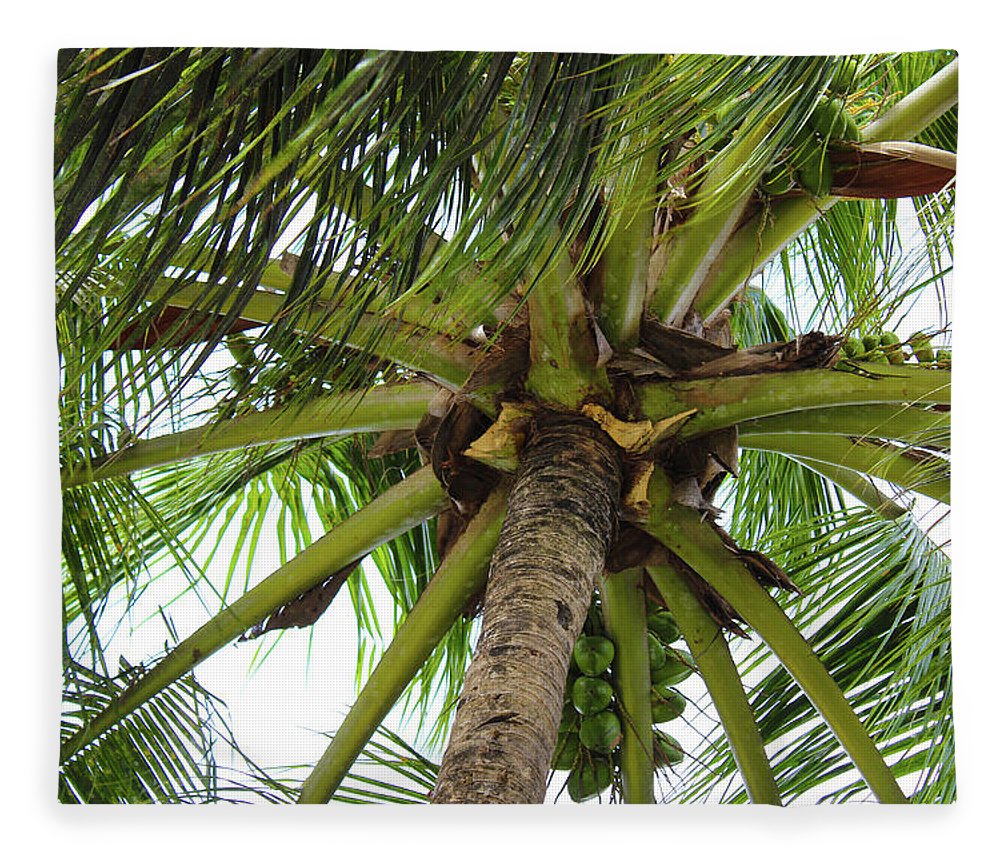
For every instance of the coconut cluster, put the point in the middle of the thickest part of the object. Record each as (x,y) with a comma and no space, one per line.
(590,732)
(806,163)
(887,348)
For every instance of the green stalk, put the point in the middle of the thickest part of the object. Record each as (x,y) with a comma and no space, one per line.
(917,110)
(765,235)
(461,574)
(715,663)
(397,407)
(720,204)
(875,421)
(625,263)
(927,475)
(397,510)
(683,531)
(857,485)
(416,306)
(725,401)
(563,352)
(448,361)
(754,245)
(624,605)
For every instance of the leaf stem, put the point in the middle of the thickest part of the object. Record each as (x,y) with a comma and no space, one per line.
(397,510)
(923,473)
(725,401)
(411,346)
(715,663)
(625,262)
(624,605)
(461,575)
(396,407)
(874,421)
(682,531)
(563,351)
(700,239)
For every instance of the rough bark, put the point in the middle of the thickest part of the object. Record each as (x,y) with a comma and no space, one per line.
(560,523)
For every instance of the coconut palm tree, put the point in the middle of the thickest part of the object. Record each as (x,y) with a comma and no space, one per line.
(602,361)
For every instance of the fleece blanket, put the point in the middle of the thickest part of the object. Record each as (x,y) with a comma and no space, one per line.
(503,427)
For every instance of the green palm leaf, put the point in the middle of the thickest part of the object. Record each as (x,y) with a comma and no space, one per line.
(877,609)
(244,236)
(168,751)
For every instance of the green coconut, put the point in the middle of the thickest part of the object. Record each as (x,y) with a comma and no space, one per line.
(591,695)
(241,349)
(593,654)
(567,751)
(589,778)
(667,750)
(825,118)
(814,171)
(662,625)
(666,704)
(570,718)
(677,666)
(601,732)
(891,347)
(853,347)
(851,131)
(921,346)
(843,79)
(777,181)
(239,377)
(831,120)
(657,653)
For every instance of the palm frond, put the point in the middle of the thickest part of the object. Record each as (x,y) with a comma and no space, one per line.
(862,269)
(167,751)
(389,771)
(876,609)
(241,233)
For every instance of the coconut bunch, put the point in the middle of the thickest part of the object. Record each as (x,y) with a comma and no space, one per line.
(887,348)
(807,163)
(590,732)
(828,156)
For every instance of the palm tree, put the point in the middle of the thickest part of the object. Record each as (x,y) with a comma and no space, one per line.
(511,326)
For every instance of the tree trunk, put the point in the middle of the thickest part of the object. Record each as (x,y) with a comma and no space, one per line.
(561,520)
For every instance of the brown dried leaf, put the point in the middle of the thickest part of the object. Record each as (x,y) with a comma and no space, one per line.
(635,500)
(891,169)
(635,437)
(678,349)
(163,330)
(391,441)
(305,609)
(287,263)
(632,548)
(810,350)
(505,363)
(500,446)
